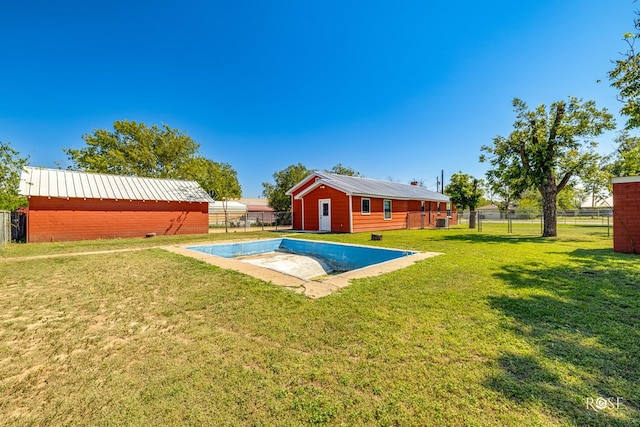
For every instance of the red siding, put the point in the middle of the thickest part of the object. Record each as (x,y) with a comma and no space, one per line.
(57,220)
(340,221)
(626,217)
(296,204)
(339,209)
(375,220)
(399,215)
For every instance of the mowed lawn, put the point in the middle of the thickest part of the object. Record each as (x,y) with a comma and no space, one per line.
(503,329)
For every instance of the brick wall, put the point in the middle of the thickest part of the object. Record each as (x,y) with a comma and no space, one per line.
(54,220)
(626,216)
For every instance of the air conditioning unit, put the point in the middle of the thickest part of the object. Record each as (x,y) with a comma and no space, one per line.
(442,223)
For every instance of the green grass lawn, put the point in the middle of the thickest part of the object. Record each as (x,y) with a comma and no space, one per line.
(500,330)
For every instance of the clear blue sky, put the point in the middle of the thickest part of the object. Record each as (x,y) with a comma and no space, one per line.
(395,90)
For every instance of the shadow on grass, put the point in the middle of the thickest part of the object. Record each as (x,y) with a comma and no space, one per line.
(582,320)
(478,237)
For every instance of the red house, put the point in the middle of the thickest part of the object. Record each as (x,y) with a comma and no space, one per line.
(345,204)
(67,205)
(626,214)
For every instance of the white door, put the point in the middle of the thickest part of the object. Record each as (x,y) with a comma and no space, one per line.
(325,214)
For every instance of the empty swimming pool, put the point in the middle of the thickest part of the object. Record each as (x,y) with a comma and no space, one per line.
(305,259)
(279,261)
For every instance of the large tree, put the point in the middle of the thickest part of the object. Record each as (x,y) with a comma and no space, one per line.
(465,192)
(625,77)
(133,148)
(344,170)
(625,161)
(220,180)
(284,180)
(546,148)
(11,164)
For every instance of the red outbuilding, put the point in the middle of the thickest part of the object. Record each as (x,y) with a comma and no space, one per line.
(626,214)
(68,205)
(346,204)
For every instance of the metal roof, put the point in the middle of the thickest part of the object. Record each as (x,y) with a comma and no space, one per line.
(625,179)
(230,206)
(61,183)
(356,186)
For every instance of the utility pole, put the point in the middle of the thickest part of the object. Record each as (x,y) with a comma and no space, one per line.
(442,182)
(437,184)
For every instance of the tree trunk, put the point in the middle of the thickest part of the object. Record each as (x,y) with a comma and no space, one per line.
(472,219)
(549,193)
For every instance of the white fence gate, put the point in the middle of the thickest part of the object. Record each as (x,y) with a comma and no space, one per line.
(5,227)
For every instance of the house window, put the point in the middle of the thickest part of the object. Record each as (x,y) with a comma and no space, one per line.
(365,207)
(449,209)
(387,209)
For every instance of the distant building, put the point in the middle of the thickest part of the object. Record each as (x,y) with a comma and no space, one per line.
(596,202)
(259,211)
(235,212)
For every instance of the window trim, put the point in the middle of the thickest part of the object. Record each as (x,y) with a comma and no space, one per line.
(362,212)
(384,209)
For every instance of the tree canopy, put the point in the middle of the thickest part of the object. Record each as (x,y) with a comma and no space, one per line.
(284,180)
(546,149)
(344,170)
(288,177)
(625,77)
(465,192)
(625,161)
(220,180)
(135,149)
(11,165)
(155,152)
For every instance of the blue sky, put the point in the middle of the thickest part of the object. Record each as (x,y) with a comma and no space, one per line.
(395,90)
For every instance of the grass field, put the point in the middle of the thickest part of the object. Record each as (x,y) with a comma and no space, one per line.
(500,330)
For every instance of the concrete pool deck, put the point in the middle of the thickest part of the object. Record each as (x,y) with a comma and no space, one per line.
(310,288)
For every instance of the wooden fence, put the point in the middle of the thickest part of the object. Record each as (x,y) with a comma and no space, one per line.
(5,227)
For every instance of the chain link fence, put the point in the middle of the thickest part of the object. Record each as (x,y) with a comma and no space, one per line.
(514,217)
(248,221)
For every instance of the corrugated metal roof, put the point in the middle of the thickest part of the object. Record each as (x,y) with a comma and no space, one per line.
(231,206)
(357,186)
(72,184)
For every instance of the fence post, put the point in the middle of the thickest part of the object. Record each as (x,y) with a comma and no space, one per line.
(541,222)
(5,227)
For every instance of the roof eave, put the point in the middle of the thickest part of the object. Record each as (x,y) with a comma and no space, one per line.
(319,183)
(300,184)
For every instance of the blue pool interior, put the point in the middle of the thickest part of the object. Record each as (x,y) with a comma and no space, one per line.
(342,257)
